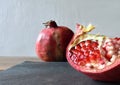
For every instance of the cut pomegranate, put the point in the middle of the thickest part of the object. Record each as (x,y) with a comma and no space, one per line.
(95,55)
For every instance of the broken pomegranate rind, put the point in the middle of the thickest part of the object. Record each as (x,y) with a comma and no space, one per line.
(94,56)
(82,34)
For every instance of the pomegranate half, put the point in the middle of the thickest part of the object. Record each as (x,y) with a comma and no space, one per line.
(52,42)
(95,55)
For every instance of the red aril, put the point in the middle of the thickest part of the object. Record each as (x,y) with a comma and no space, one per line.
(52,42)
(97,56)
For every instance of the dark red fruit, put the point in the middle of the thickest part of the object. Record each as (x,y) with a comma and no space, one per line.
(97,56)
(52,42)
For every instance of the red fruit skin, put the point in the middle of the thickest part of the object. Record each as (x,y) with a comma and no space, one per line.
(52,42)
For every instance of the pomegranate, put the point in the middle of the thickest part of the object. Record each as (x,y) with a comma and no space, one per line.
(52,42)
(95,55)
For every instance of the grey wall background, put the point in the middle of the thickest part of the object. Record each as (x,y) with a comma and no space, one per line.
(21,20)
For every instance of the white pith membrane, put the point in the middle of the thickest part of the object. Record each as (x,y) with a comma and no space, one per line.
(109,51)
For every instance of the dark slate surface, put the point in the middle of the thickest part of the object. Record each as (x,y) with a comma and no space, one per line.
(46,73)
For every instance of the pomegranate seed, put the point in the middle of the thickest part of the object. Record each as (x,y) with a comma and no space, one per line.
(110,52)
(119,52)
(81,57)
(82,63)
(118,42)
(94,44)
(109,43)
(81,53)
(74,51)
(87,60)
(101,61)
(114,41)
(95,48)
(97,51)
(108,57)
(89,47)
(97,55)
(86,53)
(103,52)
(88,42)
(73,57)
(110,48)
(92,57)
(75,61)
(82,43)
(78,47)
(70,54)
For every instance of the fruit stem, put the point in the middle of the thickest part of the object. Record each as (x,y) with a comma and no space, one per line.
(50,24)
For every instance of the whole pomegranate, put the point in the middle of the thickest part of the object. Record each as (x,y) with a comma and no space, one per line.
(52,42)
(95,55)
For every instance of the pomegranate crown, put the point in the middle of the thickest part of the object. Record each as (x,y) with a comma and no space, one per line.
(50,24)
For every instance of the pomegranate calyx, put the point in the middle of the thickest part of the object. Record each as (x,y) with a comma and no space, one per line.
(50,24)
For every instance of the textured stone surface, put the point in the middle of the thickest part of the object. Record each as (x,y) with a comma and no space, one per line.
(46,73)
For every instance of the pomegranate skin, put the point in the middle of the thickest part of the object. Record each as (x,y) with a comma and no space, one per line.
(52,42)
(109,73)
